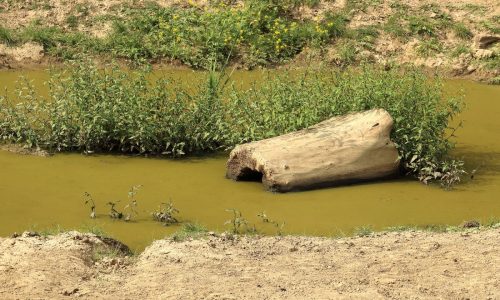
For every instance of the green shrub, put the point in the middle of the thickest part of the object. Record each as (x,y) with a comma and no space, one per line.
(462,31)
(429,46)
(422,26)
(346,53)
(46,36)
(111,110)
(262,32)
(72,21)
(394,26)
(460,49)
(7,36)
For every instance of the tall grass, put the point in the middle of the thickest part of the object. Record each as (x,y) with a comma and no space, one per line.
(114,110)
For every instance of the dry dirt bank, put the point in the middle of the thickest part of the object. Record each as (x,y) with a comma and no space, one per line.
(404,265)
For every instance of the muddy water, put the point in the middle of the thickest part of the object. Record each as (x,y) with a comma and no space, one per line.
(40,193)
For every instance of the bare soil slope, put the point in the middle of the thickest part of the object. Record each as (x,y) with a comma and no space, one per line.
(407,265)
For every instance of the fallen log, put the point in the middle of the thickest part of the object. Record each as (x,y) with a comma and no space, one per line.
(346,149)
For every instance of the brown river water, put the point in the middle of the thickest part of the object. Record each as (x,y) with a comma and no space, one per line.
(46,192)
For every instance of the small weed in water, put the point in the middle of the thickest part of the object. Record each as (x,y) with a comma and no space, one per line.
(90,202)
(113,213)
(131,207)
(363,231)
(278,225)
(166,214)
(239,224)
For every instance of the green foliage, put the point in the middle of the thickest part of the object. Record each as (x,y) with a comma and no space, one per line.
(189,230)
(131,207)
(113,213)
(93,110)
(46,36)
(261,32)
(7,36)
(277,225)
(239,224)
(346,53)
(394,27)
(421,25)
(493,62)
(462,31)
(72,21)
(363,231)
(460,49)
(166,214)
(492,24)
(90,202)
(429,47)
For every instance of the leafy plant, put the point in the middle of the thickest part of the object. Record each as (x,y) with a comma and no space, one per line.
(394,27)
(93,110)
(429,46)
(72,21)
(460,49)
(131,207)
(166,214)
(278,225)
(113,213)
(462,31)
(90,201)
(421,26)
(363,231)
(7,36)
(238,224)
(189,230)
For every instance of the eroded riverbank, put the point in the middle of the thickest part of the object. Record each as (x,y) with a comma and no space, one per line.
(389,265)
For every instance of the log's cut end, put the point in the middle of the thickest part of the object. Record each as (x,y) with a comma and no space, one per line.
(242,166)
(345,149)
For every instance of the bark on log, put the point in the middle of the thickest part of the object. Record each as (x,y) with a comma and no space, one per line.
(345,149)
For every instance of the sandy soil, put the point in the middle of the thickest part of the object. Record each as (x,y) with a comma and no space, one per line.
(405,265)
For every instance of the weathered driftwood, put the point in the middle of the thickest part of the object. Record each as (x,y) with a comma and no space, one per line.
(346,149)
